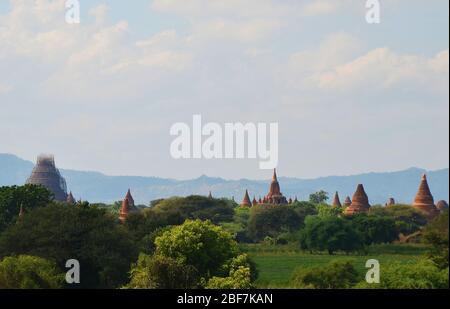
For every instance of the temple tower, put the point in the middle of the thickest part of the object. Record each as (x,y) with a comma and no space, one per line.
(275,196)
(424,200)
(127,207)
(442,205)
(336,201)
(246,202)
(347,201)
(360,202)
(47,175)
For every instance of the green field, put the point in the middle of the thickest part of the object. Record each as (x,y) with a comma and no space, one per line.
(276,263)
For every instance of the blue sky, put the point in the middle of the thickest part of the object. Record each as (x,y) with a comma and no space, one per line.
(350,97)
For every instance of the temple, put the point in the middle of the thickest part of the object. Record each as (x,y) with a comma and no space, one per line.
(390,202)
(360,202)
(275,196)
(246,202)
(70,199)
(442,205)
(127,207)
(336,201)
(347,201)
(424,200)
(47,175)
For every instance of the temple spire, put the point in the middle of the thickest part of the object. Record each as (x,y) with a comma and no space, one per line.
(336,200)
(424,200)
(246,202)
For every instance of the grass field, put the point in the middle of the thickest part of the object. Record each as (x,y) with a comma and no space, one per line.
(276,263)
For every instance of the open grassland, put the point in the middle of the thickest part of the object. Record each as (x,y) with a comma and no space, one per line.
(276,263)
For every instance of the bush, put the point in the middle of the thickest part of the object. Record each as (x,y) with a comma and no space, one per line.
(271,220)
(375,229)
(161,272)
(335,275)
(242,272)
(421,275)
(331,234)
(436,234)
(198,243)
(29,272)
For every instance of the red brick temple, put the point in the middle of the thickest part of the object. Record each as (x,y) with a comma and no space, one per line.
(360,202)
(424,200)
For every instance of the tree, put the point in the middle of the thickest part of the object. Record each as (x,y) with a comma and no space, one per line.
(436,234)
(407,219)
(335,275)
(324,210)
(29,272)
(331,234)
(423,274)
(319,197)
(176,210)
(242,272)
(161,272)
(375,229)
(90,235)
(28,196)
(200,244)
(272,220)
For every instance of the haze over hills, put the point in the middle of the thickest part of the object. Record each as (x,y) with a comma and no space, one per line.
(97,187)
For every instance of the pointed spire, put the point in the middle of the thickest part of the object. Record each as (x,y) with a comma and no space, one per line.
(124,210)
(246,202)
(130,199)
(347,201)
(360,202)
(254,202)
(274,177)
(296,199)
(70,199)
(336,200)
(210,195)
(424,200)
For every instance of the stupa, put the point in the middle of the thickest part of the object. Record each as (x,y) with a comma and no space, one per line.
(47,175)
(336,200)
(127,207)
(360,202)
(390,202)
(246,202)
(424,200)
(275,196)
(347,201)
(442,205)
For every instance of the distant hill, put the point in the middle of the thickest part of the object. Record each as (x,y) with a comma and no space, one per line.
(97,187)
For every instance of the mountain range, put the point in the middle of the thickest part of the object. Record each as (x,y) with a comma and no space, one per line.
(97,187)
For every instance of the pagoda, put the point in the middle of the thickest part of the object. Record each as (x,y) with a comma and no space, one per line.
(347,201)
(424,201)
(47,175)
(127,207)
(360,202)
(390,202)
(275,196)
(336,201)
(246,202)
(442,206)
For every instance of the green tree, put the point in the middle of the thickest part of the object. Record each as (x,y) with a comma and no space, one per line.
(319,197)
(407,219)
(436,234)
(335,275)
(29,272)
(272,220)
(175,211)
(90,235)
(12,198)
(423,274)
(324,210)
(201,244)
(331,234)
(161,272)
(375,229)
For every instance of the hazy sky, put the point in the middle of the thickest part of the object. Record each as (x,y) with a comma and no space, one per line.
(349,97)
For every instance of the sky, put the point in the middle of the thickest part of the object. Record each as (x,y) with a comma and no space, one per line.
(350,97)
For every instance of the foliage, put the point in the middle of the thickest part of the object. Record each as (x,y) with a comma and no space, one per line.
(242,272)
(271,220)
(60,232)
(29,272)
(161,272)
(324,210)
(407,219)
(331,234)
(436,234)
(421,275)
(375,229)
(198,243)
(319,197)
(175,211)
(335,275)
(27,196)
